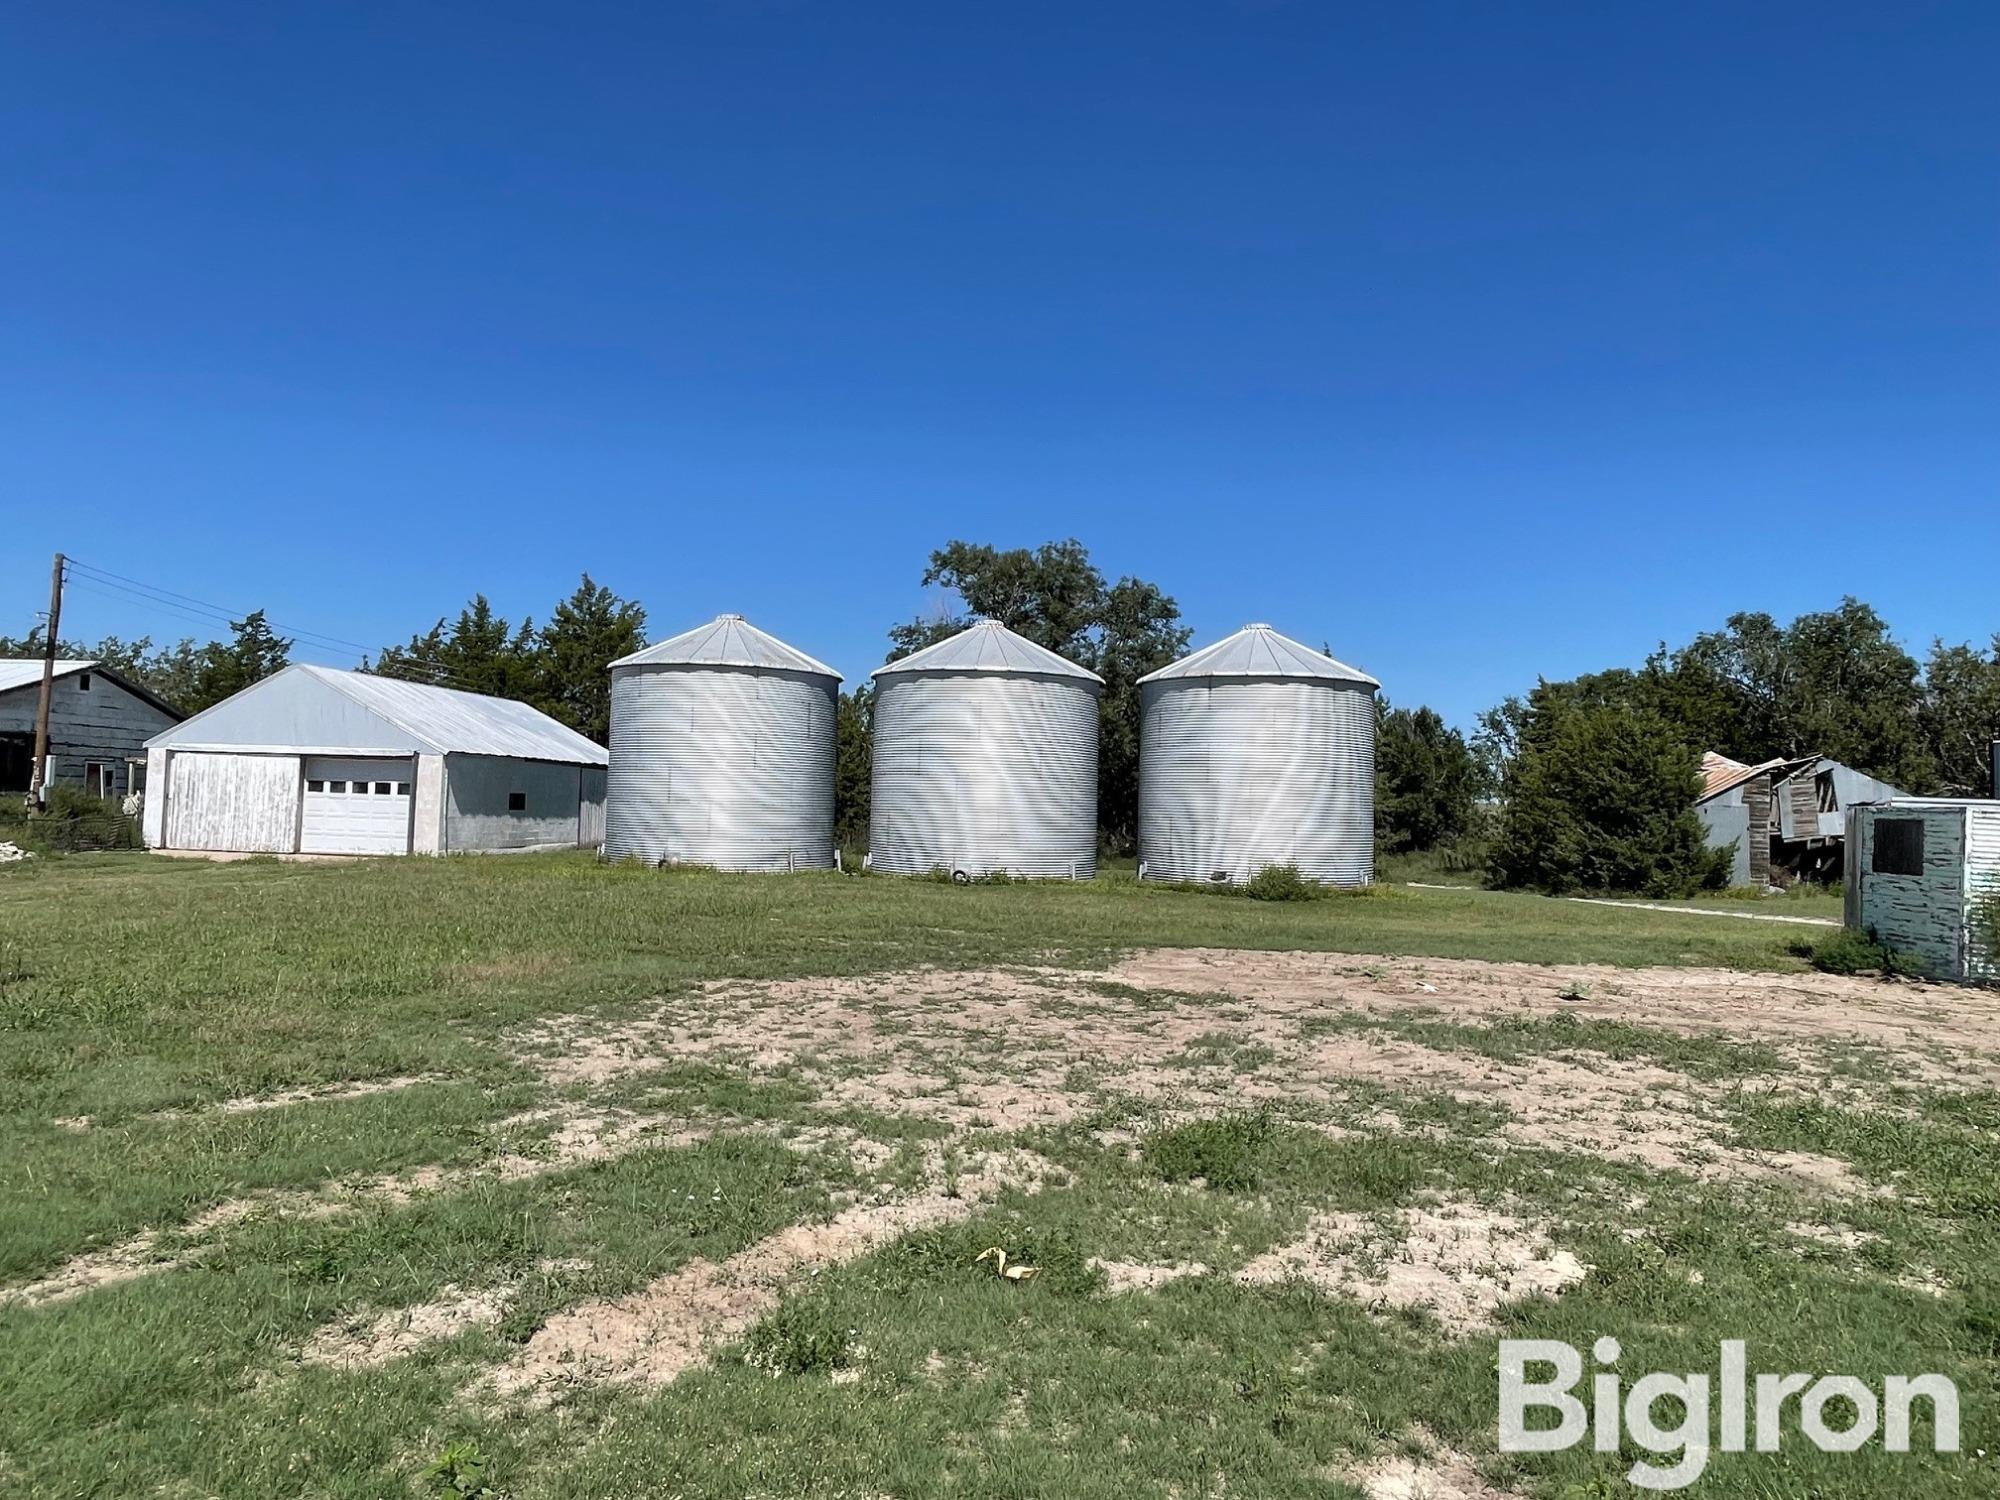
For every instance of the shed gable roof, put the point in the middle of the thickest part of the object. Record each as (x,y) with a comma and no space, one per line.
(309,708)
(17,672)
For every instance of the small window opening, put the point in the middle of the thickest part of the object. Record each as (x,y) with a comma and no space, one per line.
(315,786)
(1828,801)
(517,802)
(1899,846)
(383,788)
(83,682)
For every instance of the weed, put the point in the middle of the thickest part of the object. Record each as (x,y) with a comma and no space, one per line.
(1282,883)
(458,1472)
(1851,952)
(1224,1152)
(804,1335)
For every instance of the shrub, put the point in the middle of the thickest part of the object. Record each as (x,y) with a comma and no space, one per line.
(1851,952)
(1281,883)
(73,823)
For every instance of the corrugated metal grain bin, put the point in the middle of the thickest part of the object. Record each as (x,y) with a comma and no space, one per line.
(1253,752)
(985,760)
(722,747)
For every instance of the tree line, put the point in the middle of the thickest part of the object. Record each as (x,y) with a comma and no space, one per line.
(1587,783)
(558,666)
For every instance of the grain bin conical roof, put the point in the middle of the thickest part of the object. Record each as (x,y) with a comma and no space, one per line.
(988,646)
(1259,651)
(727,641)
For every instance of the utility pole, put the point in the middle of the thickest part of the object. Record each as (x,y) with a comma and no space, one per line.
(38,782)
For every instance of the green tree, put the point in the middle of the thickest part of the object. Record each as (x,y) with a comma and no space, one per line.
(853,766)
(589,630)
(478,653)
(1961,718)
(221,669)
(1426,780)
(1056,597)
(1601,798)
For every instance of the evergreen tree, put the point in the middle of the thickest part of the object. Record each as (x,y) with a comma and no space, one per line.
(853,766)
(1426,780)
(588,631)
(1600,798)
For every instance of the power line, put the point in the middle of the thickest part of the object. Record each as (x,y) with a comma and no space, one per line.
(116,586)
(165,596)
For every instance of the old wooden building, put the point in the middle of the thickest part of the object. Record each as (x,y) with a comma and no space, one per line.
(1923,875)
(99,722)
(1787,819)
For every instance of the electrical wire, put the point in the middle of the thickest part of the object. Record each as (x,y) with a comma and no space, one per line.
(117,587)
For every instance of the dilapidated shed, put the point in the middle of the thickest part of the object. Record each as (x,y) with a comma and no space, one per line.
(313,760)
(1923,875)
(1787,818)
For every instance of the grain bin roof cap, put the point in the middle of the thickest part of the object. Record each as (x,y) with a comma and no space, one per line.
(727,641)
(989,646)
(1259,651)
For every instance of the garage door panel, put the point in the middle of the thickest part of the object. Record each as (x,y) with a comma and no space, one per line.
(356,806)
(243,804)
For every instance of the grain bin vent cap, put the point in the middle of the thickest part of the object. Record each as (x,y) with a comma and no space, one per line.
(1259,651)
(989,646)
(727,641)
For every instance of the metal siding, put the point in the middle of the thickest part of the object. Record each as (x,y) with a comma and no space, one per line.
(985,772)
(720,765)
(1982,893)
(1237,775)
(1725,822)
(233,804)
(1921,914)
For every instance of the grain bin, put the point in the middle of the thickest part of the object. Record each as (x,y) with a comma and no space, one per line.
(1253,752)
(722,752)
(985,760)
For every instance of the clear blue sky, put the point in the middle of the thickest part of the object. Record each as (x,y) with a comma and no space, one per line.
(1477,341)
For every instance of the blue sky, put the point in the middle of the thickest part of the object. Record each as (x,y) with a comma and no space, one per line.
(1480,342)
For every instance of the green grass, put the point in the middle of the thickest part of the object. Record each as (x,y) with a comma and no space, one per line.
(138,993)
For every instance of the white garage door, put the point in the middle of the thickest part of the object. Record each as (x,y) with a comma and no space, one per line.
(356,807)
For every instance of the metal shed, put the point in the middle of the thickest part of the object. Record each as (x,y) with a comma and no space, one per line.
(1257,751)
(985,760)
(313,760)
(722,751)
(1923,875)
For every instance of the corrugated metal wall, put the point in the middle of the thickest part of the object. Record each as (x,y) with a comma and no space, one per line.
(985,773)
(1236,775)
(1982,893)
(723,766)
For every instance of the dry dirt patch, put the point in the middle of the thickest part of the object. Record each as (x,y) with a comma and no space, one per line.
(1457,1259)
(1940,1031)
(1442,1474)
(391,1335)
(1017,1048)
(676,1322)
